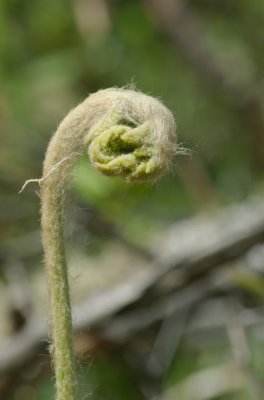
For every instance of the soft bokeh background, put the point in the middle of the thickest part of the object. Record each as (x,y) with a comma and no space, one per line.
(205,60)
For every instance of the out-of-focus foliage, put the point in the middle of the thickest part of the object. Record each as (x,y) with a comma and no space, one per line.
(54,53)
(51,58)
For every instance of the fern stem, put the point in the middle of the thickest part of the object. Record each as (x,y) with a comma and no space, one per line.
(125,133)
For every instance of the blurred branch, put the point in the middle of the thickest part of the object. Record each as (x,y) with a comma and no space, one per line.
(166,344)
(25,246)
(241,351)
(178,21)
(186,251)
(18,349)
(127,324)
(208,383)
(20,301)
(29,245)
(203,242)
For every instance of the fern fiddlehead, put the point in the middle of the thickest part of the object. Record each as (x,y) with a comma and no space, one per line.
(125,133)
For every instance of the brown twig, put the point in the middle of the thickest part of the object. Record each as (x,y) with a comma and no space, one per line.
(188,250)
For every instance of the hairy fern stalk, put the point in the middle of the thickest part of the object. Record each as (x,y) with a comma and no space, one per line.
(125,133)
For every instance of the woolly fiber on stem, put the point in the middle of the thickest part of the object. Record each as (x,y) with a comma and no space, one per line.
(125,133)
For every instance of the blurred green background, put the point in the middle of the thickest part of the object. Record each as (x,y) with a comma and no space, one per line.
(204,59)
